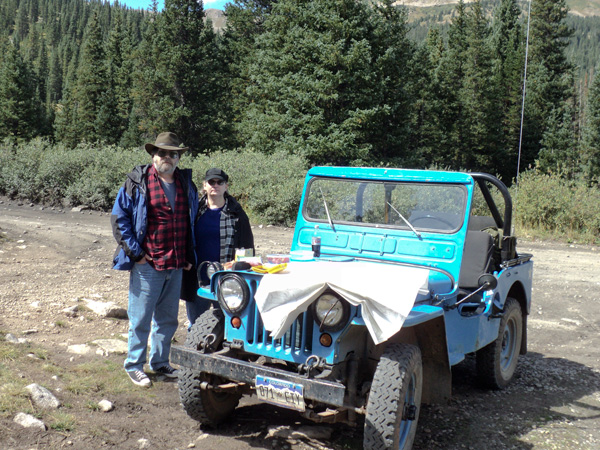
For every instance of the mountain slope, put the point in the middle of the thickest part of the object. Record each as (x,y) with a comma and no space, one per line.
(578,7)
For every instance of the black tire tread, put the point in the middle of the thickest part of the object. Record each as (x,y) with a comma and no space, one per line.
(211,321)
(386,395)
(206,407)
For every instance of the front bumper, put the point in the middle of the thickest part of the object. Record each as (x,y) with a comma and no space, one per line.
(323,391)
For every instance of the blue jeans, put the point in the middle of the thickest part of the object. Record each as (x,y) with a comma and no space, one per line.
(153,300)
(195,309)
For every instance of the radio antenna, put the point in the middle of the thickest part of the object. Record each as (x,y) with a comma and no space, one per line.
(524,93)
(522,113)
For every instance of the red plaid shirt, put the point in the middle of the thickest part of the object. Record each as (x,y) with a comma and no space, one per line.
(166,238)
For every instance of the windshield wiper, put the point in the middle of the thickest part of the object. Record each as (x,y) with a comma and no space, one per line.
(327,210)
(405,221)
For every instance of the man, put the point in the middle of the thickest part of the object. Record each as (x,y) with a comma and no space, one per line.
(151,221)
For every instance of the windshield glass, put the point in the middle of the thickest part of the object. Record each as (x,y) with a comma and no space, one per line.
(427,206)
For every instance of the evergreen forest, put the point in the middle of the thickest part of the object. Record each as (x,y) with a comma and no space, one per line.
(344,82)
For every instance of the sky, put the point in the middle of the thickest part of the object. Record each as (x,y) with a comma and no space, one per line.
(145,4)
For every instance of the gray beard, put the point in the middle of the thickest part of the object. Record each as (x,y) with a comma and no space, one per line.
(164,168)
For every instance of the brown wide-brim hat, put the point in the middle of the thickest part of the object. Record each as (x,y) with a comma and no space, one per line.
(166,141)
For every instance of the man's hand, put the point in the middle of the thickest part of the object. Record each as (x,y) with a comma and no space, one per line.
(188,266)
(145,259)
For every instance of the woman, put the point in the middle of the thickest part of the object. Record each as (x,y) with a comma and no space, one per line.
(221,227)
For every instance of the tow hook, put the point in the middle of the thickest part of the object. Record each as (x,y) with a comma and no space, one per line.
(312,362)
(208,342)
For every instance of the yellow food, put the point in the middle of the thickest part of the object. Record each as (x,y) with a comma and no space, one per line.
(269,269)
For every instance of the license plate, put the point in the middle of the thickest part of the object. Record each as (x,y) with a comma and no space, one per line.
(280,392)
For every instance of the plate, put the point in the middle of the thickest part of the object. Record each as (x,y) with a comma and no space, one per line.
(280,392)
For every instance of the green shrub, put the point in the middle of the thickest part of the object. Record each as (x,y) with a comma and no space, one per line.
(20,167)
(267,186)
(99,182)
(553,204)
(60,168)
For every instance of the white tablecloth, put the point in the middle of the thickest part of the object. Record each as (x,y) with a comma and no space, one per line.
(386,292)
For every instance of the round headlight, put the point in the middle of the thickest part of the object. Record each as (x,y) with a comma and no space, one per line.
(233,293)
(331,312)
(212,268)
(206,270)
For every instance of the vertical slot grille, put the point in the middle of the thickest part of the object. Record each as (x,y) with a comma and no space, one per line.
(297,339)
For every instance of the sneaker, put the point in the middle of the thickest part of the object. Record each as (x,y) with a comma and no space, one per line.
(139,377)
(167,371)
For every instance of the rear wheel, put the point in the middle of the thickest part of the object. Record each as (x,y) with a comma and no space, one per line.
(497,362)
(394,399)
(206,406)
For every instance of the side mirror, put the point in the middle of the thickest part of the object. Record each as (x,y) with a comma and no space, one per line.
(487,281)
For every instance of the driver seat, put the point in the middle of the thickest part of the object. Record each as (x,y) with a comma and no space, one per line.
(477,259)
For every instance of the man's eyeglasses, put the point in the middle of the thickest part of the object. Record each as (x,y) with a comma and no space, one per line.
(172,155)
(213,182)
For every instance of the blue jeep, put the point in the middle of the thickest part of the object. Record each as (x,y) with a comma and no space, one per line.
(416,270)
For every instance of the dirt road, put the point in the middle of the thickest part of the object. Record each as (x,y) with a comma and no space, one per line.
(52,259)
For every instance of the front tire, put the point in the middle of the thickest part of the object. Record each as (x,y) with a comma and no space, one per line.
(394,399)
(497,362)
(206,406)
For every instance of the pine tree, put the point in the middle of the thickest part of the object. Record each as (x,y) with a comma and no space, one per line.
(508,44)
(321,80)
(21,23)
(550,80)
(148,85)
(178,84)
(115,107)
(480,147)
(392,98)
(427,135)
(55,80)
(19,109)
(591,133)
(558,153)
(88,92)
(450,76)
(245,21)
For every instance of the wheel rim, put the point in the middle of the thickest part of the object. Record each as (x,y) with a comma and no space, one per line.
(509,342)
(409,412)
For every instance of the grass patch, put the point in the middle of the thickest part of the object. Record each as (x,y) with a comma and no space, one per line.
(97,376)
(61,421)
(13,395)
(94,406)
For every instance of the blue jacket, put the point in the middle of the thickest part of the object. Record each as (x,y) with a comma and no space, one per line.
(129,217)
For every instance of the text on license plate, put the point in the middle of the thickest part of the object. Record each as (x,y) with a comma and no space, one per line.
(280,392)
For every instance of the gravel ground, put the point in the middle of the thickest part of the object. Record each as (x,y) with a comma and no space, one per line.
(50,259)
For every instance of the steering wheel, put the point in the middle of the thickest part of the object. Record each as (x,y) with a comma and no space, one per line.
(439,219)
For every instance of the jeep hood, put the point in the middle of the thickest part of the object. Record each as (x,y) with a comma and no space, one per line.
(386,293)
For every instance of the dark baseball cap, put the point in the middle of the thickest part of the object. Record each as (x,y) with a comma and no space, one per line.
(214,173)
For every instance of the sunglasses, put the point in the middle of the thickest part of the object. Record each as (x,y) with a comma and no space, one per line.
(213,182)
(172,155)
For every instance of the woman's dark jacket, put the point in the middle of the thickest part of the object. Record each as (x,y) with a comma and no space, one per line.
(235,233)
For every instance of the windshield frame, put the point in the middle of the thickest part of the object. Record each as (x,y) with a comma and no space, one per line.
(388,187)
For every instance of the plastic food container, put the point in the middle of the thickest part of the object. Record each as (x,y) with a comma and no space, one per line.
(301,255)
(278,258)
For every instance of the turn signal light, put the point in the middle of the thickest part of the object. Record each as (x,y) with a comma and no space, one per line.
(325,340)
(236,322)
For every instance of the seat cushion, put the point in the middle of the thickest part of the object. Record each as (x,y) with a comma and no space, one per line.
(477,258)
